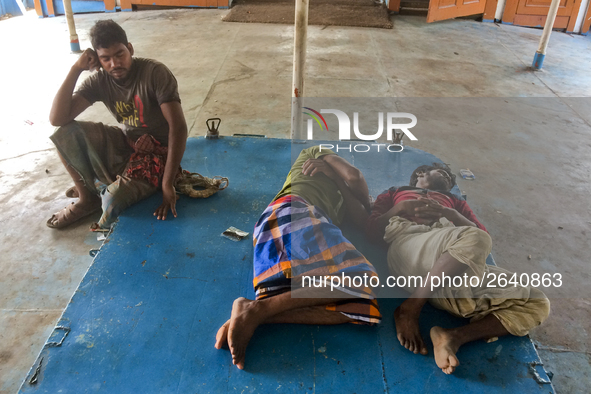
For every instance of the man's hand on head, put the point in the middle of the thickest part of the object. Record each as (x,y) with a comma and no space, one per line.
(88,61)
(169,198)
(315,166)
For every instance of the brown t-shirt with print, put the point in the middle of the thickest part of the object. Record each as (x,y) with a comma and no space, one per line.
(136,102)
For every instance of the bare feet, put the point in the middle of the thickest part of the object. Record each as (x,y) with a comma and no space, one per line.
(445,349)
(246,317)
(407,329)
(221,338)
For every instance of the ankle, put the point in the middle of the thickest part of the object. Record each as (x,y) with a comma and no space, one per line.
(411,306)
(453,336)
(88,198)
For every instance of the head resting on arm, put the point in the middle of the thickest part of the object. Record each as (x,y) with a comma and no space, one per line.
(112,48)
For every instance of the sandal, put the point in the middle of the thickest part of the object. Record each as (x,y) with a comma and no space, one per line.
(72,192)
(69,215)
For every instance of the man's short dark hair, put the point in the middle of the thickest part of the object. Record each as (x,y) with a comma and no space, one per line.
(435,166)
(106,33)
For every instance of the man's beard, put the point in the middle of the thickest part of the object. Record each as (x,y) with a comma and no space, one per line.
(439,184)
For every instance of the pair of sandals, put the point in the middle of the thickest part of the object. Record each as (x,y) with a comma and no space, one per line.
(71,213)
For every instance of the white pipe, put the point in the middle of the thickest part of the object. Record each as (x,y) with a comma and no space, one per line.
(581,16)
(541,52)
(299,64)
(21,7)
(74,43)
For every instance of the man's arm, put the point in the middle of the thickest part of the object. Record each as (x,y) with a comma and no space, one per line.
(356,213)
(408,207)
(350,182)
(67,106)
(352,176)
(433,210)
(177,140)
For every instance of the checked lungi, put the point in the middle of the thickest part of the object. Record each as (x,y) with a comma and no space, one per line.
(294,238)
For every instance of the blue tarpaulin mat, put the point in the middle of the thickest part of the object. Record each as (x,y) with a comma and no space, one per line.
(144,318)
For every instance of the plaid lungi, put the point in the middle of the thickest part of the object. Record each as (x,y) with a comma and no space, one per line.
(294,238)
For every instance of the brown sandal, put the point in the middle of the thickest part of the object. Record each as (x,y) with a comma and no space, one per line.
(69,215)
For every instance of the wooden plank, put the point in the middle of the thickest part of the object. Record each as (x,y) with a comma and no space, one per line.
(126,5)
(447,9)
(134,329)
(109,5)
(561,22)
(38,8)
(490,9)
(587,21)
(573,17)
(394,5)
(50,10)
(510,11)
(541,7)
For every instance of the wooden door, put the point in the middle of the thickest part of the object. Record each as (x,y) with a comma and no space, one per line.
(446,9)
(533,13)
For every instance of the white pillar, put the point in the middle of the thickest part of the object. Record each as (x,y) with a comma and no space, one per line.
(541,52)
(74,43)
(299,64)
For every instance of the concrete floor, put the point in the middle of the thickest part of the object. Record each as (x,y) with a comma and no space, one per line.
(525,135)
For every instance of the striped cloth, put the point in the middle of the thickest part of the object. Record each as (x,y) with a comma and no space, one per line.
(294,238)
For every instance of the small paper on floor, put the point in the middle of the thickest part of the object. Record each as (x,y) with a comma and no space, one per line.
(234,234)
(467,174)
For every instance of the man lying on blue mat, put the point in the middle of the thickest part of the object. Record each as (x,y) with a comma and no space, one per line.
(435,235)
(296,236)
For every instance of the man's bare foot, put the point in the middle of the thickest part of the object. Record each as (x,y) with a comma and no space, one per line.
(221,338)
(407,329)
(243,322)
(445,349)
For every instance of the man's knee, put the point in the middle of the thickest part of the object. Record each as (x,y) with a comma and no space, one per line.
(76,129)
(69,128)
(120,195)
(126,191)
(477,241)
(540,304)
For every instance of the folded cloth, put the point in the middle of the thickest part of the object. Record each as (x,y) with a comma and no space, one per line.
(293,239)
(148,160)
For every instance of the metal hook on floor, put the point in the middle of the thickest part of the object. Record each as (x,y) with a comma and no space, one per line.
(213,129)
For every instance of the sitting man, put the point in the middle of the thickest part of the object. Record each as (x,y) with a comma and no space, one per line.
(431,232)
(297,237)
(132,161)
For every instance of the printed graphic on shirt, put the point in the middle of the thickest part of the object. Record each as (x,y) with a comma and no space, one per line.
(132,113)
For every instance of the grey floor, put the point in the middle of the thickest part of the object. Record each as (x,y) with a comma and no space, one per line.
(526,135)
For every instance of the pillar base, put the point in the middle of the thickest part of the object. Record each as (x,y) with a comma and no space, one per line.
(75,47)
(538,61)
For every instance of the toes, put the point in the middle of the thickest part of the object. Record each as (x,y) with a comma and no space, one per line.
(453,361)
(238,358)
(221,337)
(424,351)
(449,370)
(400,339)
(421,346)
(406,344)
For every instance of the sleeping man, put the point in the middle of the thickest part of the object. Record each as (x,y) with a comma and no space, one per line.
(297,236)
(432,234)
